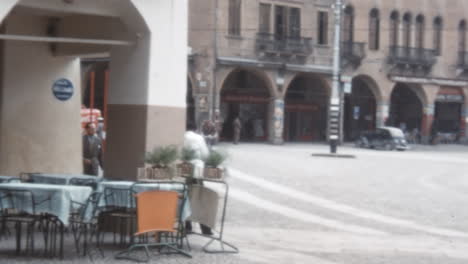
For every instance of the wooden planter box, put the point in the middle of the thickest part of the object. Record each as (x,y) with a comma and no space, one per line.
(185,169)
(213,173)
(150,173)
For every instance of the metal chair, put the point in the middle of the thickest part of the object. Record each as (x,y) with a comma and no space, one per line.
(83,182)
(156,213)
(118,214)
(19,207)
(84,222)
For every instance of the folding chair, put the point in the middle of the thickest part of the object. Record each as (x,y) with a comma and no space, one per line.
(156,213)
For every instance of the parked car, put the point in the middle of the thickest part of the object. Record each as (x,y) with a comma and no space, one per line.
(388,138)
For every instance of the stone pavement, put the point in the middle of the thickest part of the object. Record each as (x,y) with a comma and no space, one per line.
(288,207)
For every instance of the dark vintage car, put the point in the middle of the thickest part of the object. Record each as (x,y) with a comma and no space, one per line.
(388,138)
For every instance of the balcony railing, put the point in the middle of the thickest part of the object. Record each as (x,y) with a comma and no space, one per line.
(353,52)
(271,44)
(463,60)
(412,56)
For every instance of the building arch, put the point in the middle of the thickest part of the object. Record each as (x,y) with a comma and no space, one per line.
(360,107)
(407,26)
(407,103)
(438,25)
(246,93)
(306,107)
(449,107)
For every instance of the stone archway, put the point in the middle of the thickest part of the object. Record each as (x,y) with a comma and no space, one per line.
(246,94)
(306,103)
(406,107)
(360,107)
(448,112)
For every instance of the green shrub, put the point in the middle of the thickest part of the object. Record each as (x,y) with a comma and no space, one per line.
(162,157)
(215,158)
(187,154)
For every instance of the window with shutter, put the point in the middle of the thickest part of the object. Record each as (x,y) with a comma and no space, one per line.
(407,30)
(322,28)
(462,36)
(234,17)
(264,18)
(348,24)
(438,35)
(394,24)
(374,29)
(420,31)
(280,22)
(294,23)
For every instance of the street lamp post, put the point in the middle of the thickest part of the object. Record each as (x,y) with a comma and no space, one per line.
(335,99)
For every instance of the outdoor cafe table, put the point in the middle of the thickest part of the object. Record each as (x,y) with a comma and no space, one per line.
(138,187)
(57,198)
(64,179)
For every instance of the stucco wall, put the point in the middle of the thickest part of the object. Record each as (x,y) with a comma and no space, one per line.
(40,133)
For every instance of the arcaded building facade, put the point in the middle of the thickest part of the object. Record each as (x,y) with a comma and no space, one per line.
(403,64)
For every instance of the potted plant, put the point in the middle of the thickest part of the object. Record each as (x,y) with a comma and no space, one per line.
(185,168)
(213,163)
(160,159)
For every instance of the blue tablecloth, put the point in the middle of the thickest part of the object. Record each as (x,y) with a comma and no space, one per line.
(58,198)
(64,179)
(142,187)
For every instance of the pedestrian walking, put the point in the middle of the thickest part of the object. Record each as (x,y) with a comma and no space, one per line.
(209,132)
(237,126)
(92,150)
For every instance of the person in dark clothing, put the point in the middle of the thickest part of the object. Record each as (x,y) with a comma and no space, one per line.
(92,151)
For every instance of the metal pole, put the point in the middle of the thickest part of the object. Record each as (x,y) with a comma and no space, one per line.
(335,100)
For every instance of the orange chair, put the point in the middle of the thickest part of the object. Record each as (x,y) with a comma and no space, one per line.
(156,213)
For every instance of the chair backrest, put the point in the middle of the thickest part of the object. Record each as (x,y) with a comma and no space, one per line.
(83,182)
(89,210)
(156,211)
(20,200)
(119,197)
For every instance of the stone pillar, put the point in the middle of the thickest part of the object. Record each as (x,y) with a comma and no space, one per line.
(276,126)
(426,124)
(148,86)
(382,113)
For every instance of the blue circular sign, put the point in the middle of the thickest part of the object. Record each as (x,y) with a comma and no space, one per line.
(62,89)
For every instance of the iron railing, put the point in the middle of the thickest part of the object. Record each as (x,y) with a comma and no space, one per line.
(353,52)
(269,43)
(462,60)
(412,56)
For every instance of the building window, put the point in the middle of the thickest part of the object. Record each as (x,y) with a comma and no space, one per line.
(348,24)
(420,31)
(287,22)
(374,29)
(294,25)
(394,27)
(438,26)
(407,21)
(462,36)
(322,33)
(234,17)
(264,18)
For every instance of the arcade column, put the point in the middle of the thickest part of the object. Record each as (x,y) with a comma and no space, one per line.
(276,122)
(427,122)
(382,113)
